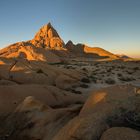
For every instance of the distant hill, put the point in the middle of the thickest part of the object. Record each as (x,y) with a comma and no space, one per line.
(95,52)
(123,56)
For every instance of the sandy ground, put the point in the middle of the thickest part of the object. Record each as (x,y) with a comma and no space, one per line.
(108,73)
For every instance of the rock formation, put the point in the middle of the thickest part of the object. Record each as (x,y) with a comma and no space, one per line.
(47,37)
(106,108)
(83,50)
(39,48)
(48,46)
(121,133)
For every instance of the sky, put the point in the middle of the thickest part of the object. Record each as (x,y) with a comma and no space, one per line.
(111,24)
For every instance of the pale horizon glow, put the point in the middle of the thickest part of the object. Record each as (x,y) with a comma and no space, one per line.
(113,25)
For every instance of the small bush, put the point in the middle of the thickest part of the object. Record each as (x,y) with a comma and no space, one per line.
(94,73)
(136,68)
(109,70)
(110,81)
(126,79)
(85,80)
(84,86)
(39,71)
(113,67)
(125,118)
(119,74)
(96,63)
(122,67)
(76,91)
(67,67)
(30,125)
(130,72)
(84,69)
(93,78)
(11,77)
(79,102)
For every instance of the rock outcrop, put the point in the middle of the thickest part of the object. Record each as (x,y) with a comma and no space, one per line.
(47,37)
(48,46)
(82,50)
(40,48)
(120,133)
(34,120)
(104,109)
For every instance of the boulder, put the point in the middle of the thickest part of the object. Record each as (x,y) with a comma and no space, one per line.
(108,107)
(121,133)
(34,120)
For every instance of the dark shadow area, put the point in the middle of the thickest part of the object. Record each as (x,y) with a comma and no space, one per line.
(125,118)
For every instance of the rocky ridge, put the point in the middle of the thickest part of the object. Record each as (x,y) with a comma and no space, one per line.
(48,46)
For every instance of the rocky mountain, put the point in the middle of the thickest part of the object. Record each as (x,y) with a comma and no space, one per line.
(123,56)
(48,46)
(41,47)
(86,51)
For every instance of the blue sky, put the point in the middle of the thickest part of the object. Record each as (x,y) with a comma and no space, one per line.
(111,24)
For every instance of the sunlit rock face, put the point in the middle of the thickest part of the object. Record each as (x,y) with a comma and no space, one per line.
(47,37)
(25,50)
(40,48)
(48,46)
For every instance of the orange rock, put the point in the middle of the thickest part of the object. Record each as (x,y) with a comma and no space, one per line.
(47,37)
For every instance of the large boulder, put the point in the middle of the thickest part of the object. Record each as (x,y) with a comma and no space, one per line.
(65,82)
(121,133)
(23,71)
(107,99)
(12,95)
(34,120)
(109,107)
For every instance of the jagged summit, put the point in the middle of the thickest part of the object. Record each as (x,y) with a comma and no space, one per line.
(39,48)
(47,31)
(47,37)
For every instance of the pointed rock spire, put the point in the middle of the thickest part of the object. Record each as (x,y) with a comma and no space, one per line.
(47,37)
(47,31)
